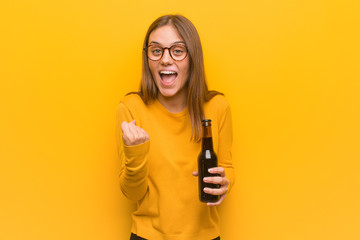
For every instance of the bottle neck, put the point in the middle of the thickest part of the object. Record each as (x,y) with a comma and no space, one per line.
(207,143)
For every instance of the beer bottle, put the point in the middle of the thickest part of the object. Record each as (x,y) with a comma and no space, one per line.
(207,159)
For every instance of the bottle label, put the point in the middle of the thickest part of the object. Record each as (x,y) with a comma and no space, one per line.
(207,154)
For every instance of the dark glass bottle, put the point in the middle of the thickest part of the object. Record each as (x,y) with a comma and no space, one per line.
(207,159)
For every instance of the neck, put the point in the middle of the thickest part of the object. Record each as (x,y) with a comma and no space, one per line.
(207,144)
(174,104)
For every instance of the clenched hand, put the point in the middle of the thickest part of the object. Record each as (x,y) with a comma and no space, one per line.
(132,134)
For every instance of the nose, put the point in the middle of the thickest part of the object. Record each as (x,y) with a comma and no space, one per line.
(166,58)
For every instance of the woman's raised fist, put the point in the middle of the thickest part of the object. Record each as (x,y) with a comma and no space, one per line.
(132,134)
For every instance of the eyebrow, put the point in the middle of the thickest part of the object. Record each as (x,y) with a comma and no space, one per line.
(172,43)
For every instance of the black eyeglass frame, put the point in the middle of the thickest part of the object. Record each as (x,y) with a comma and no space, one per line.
(163,51)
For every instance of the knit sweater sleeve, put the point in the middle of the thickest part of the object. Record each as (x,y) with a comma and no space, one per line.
(133,160)
(225,145)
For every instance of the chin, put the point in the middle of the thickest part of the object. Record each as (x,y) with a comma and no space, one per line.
(168,92)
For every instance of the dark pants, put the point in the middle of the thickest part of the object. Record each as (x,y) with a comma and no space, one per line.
(136,237)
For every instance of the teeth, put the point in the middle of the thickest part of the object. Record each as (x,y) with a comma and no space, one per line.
(167,72)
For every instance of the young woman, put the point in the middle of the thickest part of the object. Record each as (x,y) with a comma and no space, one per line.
(159,133)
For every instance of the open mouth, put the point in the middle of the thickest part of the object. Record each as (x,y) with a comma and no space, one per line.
(168,77)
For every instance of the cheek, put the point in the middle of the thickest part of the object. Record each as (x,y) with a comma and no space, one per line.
(152,68)
(185,70)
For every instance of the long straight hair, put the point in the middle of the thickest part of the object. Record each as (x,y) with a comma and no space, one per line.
(198,92)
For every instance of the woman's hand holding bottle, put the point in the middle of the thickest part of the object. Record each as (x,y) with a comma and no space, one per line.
(222,180)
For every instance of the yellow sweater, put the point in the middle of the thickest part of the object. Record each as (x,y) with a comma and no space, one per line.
(158,173)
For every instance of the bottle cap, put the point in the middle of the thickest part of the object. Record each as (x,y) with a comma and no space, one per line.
(206,122)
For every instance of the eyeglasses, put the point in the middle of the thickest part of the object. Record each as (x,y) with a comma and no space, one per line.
(155,52)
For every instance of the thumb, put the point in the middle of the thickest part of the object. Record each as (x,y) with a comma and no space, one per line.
(133,121)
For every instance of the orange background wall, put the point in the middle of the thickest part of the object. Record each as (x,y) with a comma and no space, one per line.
(290,70)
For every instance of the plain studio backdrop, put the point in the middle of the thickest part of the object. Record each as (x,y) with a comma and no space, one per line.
(290,70)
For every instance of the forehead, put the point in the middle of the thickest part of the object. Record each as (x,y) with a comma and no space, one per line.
(165,35)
